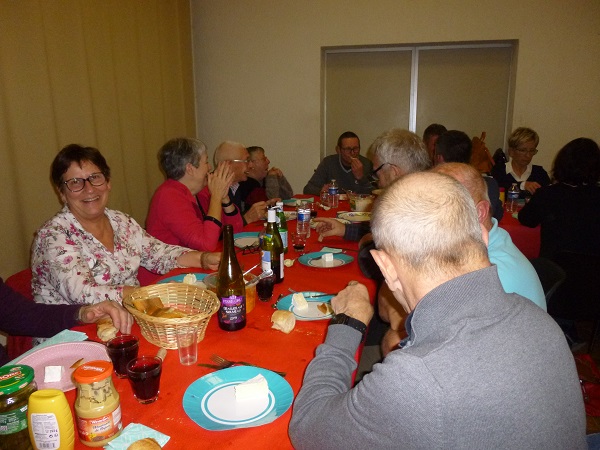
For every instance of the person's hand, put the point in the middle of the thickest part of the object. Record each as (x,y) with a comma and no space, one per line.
(121,319)
(210,260)
(532,186)
(257,211)
(272,201)
(353,301)
(220,180)
(329,227)
(357,168)
(275,171)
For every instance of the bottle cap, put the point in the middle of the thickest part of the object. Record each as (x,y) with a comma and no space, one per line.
(13,378)
(93,371)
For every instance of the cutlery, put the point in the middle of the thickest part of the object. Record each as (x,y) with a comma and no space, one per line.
(251,269)
(311,296)
(225,363)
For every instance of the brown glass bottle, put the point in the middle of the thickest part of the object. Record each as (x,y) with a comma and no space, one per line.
(231,288)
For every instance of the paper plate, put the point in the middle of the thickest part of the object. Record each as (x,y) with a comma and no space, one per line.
(210,401)
(315,260)
(293,201)
(245,239)
(355,216)
(179,278)
(64,354)
(310,313)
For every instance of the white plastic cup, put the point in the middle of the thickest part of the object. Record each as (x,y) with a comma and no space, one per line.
(187,344)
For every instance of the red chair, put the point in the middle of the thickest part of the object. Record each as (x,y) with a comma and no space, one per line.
(21,283)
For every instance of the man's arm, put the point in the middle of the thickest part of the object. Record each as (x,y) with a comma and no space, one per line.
(318,179)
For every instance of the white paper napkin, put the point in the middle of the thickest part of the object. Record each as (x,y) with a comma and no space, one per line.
(134,432)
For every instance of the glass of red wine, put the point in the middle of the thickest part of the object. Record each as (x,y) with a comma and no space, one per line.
(144,376)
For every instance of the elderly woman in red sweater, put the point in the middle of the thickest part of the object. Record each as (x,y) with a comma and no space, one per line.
(191,207)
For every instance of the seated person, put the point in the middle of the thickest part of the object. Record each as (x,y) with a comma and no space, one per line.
(430,137)
(187,208)
(348,168)
(455,146)
(22,317)
(453,384)
(568,210)
(239,159)
(522,146)
(88,253)
(264,184)
(395,153)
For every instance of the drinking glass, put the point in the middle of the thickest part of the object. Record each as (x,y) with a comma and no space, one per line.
(187,344)
(299,242)
(264,288)
(144,376)
(121,350)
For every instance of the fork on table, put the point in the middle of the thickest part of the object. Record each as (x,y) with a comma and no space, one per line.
(225,363)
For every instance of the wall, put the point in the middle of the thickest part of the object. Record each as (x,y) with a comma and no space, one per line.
(258,64)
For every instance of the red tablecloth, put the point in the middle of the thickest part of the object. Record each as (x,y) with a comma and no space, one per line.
(257,343)
(526,239)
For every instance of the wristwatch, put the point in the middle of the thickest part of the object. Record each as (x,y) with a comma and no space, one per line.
(343,319)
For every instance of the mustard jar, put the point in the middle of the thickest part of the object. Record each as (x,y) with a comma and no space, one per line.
(97,407)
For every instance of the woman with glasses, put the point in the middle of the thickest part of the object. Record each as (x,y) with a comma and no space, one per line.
(88,253)
(191,207)
(522,146)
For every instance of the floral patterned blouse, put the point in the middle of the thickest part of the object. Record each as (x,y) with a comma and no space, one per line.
(71,266)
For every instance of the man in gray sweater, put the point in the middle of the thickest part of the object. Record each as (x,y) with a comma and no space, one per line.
(480,368)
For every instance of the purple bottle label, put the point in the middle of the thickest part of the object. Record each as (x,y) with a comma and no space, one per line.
(233,309)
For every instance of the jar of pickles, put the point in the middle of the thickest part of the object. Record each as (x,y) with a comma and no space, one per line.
(16,385)
(97,407)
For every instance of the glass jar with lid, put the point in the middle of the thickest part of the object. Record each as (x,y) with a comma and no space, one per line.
(16,385)
(97,407)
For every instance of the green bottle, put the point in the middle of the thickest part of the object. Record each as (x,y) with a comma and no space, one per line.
(272,247)
(282,226)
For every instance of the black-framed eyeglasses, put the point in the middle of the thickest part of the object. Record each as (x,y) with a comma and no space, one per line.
(529,151)
(77,184)
(374,176)
(249,249)
(350,149)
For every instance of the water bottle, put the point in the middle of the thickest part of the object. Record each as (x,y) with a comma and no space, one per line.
(512,198)
(303,221)
(282,225)
(334,194)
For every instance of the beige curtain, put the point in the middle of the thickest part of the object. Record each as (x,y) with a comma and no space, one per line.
(114,74)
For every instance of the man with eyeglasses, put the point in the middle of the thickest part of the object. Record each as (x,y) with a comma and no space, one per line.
(239,159)
(522,146)
(347,167)
(264,183)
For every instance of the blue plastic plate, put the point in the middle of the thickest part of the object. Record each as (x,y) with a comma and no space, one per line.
(310,313)
(315,260)
(210,400)
(179,278)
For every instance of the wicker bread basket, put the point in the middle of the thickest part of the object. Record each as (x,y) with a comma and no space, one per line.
(200,304)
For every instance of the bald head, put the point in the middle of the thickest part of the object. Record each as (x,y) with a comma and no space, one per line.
(237,154)
(428,221)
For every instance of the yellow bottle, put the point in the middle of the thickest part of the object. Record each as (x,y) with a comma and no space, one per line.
(50,421)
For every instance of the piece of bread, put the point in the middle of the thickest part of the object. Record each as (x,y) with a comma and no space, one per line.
(284,321)
(169,313)
(299,301)
(148,305)
(105,329)
(145,444)
(325,308)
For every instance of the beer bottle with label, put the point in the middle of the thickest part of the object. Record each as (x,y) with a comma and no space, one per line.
(231,288)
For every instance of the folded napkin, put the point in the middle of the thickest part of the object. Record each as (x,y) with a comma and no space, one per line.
(63,336)
(331,250)
(134,432)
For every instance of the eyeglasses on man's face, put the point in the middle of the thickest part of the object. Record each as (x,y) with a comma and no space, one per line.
(350,149)
(528,151)
(374,176)
(77,184)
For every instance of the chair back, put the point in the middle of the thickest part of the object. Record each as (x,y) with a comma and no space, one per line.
(550,274)
(578,297)
(21,283)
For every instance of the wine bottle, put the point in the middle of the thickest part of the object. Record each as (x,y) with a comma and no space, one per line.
(272,248)
(231,288)
(282,226)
